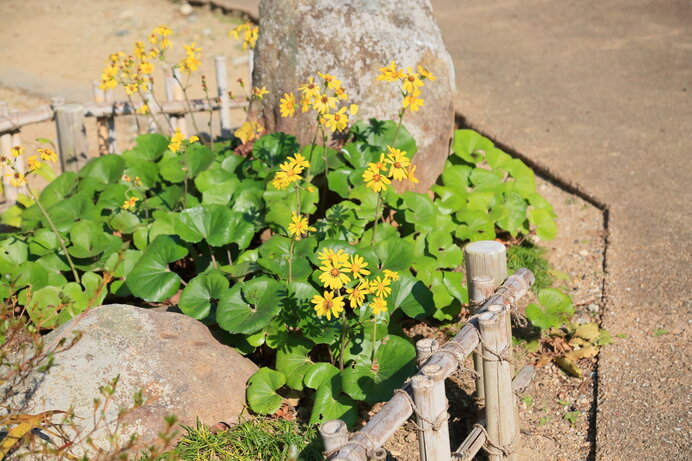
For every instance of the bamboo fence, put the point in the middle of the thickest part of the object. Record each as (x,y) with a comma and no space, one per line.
(73,149)
(488,335)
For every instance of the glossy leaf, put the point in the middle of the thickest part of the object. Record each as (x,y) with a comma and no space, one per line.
(261,391)
(249,306)
(151,279)
(197,297)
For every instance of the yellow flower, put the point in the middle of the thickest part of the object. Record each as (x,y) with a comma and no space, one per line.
(341,93)
(288,105)
(411,82)
(191,61)
(146,68)
(380,286)
(176,141)
(137,181)
(290,173)
(378,305)
(410,174)
(332,81)
(328,305)
(357,266)
(356,295)
(299,226)
(16,151)
(333,276)
(143,109)
(48,155)
(248,131)
(353,109)
(412,102)
(390,73)
(126,178)
(310,89)
(259,92)
(337,121)
(399,162)
(16,178)
(380,165)
(337,259)
(139,50)
(305,104)
(159,36)
(4,160)
(193,139)
(34,163)
(425,73)
(130,203)
(311,188)
(250,34)
(324,103)
(374,180)
(391,274)
(299,162)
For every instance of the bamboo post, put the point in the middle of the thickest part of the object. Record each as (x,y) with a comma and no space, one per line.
(6,144)
(222,91)
(334,435)
(485,258)
(499,398)
(72,140)
(170,95)
(102,134)
(152,110)
(179,95)
(250,65)
(424,349)
(431,403)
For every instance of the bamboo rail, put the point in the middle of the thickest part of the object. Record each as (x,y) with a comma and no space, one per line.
(437,365)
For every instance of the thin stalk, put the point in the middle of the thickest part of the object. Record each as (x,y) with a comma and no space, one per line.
(396,132)
(55,231)
(374,337)
(187,169)
(213,259)
(156,102)
(290,261)
(377,218)
(151,114)
(211,112)
(187,102)
(344,330)
(134,111)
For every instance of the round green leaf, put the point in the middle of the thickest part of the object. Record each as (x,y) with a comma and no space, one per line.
(151,279)
(331,403)
(396,254)
(261,391)
(249,306)
(293,361)
(197,297)
(543,219)
(470,145)
(216,224)
(198,157)
(88,239)
(319,373)
(52,306)
(107,169)
(395,363)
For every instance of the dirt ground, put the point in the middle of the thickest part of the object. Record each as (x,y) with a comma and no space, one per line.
(56,48)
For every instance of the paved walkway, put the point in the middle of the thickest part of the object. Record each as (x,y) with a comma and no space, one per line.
(600,93)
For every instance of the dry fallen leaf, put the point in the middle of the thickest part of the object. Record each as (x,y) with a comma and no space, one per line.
(587,331)
(568,366)
(584,352)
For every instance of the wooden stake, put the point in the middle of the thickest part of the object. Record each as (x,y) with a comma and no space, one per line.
(480,289)
(179,95)
(334,435)
(101,122)
(72,140)
(499,398)
(429,395)
(424,349)
(5,145)
(222,91)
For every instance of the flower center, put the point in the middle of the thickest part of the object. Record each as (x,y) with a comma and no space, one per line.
(376,178)
(327,305)
(412,78)
(334,272)
(397,165)
(324,99)
(337,117)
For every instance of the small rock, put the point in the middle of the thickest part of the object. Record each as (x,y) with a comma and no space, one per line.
(122,32)
(186,9)
(593,308)
(583,253)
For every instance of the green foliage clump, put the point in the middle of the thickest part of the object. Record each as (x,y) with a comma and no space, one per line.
(256,438)
(533,258)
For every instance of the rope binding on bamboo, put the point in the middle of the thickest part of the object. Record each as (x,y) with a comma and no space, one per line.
(435,424)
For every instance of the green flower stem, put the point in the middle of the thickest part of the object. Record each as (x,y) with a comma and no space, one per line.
(187,169)
(134,111)
(290,261)
(396,132)
(374,336)
(57,234)
(377,217)
(344,331)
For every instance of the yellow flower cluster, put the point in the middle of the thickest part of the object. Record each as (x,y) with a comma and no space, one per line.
(191,61)
(177,140)
(290,171)
(35,162)
(394,165)
(130,203)
(250,33)
(410,83)
(338,270)
(323,99)
(249,131)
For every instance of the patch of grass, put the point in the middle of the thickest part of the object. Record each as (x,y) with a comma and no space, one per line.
(659,332)
(531,257)
(252,439)
(572,417)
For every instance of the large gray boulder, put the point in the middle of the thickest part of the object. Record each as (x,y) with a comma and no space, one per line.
(352,39)
(180,367)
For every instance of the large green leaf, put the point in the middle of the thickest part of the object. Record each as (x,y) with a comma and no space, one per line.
(381,134)
(470,146)
(197,297)
(62,187)
(151,279)
(396,254)
(261,391)
(107,169)
(216,224)
(72,209)
(198,157)
(149,147)
(249,306)
(556,309)
(331,403)
(273,148)
(543,219)
(420,211)
(88,239)
(414,298)
(275,252)
(146,170)
(51,306)
(395,362)
(293,361)
(319,373)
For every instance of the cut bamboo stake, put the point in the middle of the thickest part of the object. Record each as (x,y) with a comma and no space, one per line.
(110,123)
(476,438)
(222,91)
(10,192)
(72,140)
(170,95)
(334,435)
(485,258)
(499,398)
(101,122)
(481,288)
(429,396)
(424,349)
